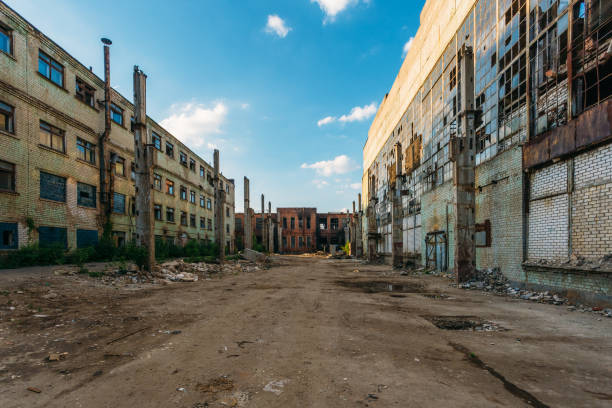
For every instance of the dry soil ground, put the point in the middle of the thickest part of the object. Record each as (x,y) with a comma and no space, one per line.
(309,332)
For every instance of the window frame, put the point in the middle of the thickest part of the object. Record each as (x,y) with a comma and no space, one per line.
(93,189)
(184,217)
(170,211)
(183,193)
(8,32)
(84,146)
(12,176)
(118,110)
(10,115)
(85,91)
(51,64)
(52,130)
(192,197)
(192,164)
(154,139)
(192,221)
(114,208)
(169,187)
(122,161)
(170,150)
(40,192)
(157,178)
(183,158)
(157,207)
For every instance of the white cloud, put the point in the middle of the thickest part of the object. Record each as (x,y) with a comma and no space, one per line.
(359,113)
(340,165)
(326,120)
(332,8)
(277,25)
(320,183)
(192,123)
(407,46)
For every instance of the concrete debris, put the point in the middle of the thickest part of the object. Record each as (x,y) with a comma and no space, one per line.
(604,263)
(275,387)
(254,256)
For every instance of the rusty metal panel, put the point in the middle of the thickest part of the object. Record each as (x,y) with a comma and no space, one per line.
(563,140)
(594,125)
(536,152)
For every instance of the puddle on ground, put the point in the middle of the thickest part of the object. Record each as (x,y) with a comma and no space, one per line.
(463,323)
(382,286)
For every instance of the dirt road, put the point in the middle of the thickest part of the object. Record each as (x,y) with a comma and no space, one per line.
(309,332)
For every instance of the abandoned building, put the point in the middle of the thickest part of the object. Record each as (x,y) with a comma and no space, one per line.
(67,164)
(296,230)
(492,148)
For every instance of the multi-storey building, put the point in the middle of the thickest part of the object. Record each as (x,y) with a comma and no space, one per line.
(52,116)
(297,230)
(522,86)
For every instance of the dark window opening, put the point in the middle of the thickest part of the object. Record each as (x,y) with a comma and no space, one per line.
(170,149)
(8,231)
(183,159)
(7,118)
(292,222)
(169,214)
(192,165)
(86,195)
(192,220)
(7,176)
(183,218)
(183,193)
(85,93)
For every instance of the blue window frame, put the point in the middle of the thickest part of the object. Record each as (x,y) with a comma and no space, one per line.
(9,238)
(52,187)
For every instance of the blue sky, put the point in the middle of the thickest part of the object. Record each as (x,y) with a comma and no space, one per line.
(285,89)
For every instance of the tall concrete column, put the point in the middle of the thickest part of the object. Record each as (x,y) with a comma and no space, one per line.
(248,234)
(358,234)
(353,230)
(270,229)
(371,220)
(462,155)
(264,237)
(143,163)
(219,213)
(397,250)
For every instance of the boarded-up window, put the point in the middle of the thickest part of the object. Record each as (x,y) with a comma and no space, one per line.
(86,238)
(119,203)
(52,187)
(8,235)
(52,236)
(86,195)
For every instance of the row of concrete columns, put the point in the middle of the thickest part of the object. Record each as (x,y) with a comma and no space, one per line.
(249,216)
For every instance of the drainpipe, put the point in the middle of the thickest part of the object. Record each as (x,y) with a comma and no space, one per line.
(104,195)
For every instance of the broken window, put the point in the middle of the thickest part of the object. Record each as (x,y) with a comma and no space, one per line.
(50,69)
(322,223)
(86,151)
(170,187)
(7,176)
(202,223)
(157,181)
(285,222)
(6,40)
(7,118)
(183,218)
(119,237)
(157,212)
(156,139)
(170,149)
(300,222)
(85,93)
(192,165)
(183,159)
(308,242)
(119,203)
(183,193)
(52,187)
(482,236)
(300,242)
(308,222)
(292,222)
(284,242)
(86,195)
(169,214)
(120,166)
(192,197)
(227,228)
(8,231)
(334,224)
(52,137)
(227,212)
(202,204)
(591,53)
(116,114)
(192,220)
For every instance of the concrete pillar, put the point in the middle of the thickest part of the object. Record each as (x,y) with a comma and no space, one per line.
(397,250)
(270,229)
(371,220)
(248,234)
(219,213)
(353,230)
(358,234)
(143,163)
(264,237)
(462,155)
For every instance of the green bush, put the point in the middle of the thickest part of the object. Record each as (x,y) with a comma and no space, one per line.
(347,248)
(105,249)
(34,255)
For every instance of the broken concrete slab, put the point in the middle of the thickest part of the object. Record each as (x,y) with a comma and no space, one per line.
(254,256)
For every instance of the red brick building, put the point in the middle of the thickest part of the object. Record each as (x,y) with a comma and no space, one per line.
(297,230)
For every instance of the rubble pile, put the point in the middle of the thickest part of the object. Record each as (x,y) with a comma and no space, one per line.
(181,271)
(576,262)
